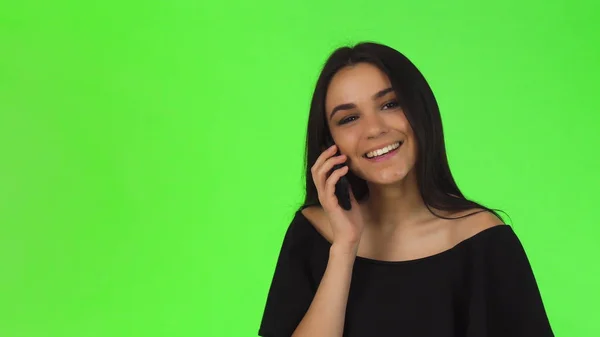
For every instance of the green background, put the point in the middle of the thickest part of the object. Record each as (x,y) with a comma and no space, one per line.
(152,150)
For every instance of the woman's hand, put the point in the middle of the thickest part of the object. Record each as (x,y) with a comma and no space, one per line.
(347,226)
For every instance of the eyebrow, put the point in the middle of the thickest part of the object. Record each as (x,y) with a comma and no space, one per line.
(348,106)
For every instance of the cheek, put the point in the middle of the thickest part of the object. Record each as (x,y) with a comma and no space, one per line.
(412,154)
(401,121)
(354,168)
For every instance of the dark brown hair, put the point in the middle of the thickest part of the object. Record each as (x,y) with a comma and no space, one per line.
(434,179)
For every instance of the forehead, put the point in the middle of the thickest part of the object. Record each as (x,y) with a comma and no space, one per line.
(357,83)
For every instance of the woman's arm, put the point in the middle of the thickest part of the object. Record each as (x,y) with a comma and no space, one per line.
(327,311)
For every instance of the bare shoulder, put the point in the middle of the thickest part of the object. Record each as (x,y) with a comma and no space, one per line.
(474,224)
(317,217)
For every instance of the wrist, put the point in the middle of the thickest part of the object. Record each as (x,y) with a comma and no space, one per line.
(344,249)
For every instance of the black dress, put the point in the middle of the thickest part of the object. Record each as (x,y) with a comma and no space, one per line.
(482,287)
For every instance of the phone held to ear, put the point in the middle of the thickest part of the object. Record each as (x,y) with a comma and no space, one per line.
(342,187)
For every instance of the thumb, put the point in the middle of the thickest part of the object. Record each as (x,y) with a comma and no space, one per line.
(352,198)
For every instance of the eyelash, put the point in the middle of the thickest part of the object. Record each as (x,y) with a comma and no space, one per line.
(346,120)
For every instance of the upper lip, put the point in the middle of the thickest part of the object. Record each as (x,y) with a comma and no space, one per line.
(382,146)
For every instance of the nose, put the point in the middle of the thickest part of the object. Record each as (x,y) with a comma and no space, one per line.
(375,126)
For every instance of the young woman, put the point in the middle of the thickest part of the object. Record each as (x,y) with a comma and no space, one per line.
(412,257)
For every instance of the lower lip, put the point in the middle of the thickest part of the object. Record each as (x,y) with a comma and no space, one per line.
(385,156)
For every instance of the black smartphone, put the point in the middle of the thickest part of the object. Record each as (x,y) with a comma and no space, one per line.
(342,187)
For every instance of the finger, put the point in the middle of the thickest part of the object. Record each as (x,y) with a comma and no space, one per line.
(324,156)
(327,167)
(322,167)
(352,198)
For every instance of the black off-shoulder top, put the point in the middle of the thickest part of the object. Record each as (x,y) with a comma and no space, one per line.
(482,287)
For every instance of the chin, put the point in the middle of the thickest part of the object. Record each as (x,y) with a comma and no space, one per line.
(388,177)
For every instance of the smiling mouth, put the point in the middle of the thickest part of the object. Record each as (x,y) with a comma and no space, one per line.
(383,151)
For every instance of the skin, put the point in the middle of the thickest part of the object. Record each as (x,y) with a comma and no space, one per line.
(394,223)
(398,225)
(372,124)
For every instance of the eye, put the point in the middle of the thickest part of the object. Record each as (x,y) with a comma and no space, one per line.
(393,104)
(347,120)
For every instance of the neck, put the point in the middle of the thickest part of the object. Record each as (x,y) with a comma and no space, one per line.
(392,207)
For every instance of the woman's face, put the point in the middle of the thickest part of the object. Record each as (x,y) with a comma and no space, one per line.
(363,115)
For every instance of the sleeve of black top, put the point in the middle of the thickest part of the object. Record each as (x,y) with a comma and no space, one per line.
(291,291)
(505,299)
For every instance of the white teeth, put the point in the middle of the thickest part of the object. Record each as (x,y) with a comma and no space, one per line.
(383,151)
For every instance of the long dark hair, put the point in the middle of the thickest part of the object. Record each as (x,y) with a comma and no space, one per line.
(434,179)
